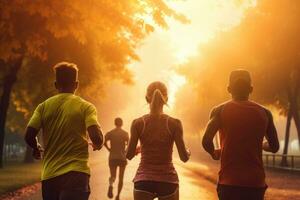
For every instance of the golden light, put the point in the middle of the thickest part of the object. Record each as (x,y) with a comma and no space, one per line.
(174,83)
(165,49)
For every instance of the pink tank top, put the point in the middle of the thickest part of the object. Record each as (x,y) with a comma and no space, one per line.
(156,151)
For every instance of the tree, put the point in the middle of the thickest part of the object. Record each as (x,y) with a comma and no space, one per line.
(107,31)
(266,43)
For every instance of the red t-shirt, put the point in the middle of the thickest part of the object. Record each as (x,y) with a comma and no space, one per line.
(243,127)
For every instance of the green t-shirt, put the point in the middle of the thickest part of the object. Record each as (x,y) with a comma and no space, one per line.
(64,119)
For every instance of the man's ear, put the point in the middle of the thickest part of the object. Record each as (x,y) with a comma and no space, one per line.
(76,85)
(56,85)
(250,89)
(147,99)
(229,89)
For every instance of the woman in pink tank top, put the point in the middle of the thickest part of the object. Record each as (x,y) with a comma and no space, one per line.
(156,176)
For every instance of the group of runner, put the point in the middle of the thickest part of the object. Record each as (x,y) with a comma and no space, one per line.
(64,119)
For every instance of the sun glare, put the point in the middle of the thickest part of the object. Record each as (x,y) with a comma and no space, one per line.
(175,81)
(166,49)
(207,18)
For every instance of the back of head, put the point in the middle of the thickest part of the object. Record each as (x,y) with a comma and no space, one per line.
(157,96)
(240,85)
(66,75)
(118,122)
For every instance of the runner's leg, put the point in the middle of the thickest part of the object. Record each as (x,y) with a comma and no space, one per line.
(121,178)
(112,178)
(113,173)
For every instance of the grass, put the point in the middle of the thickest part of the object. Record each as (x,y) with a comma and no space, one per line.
(16,175)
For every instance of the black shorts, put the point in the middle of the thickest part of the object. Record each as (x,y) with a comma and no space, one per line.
(157,188)
(117,163)
(228,192)
(72,185)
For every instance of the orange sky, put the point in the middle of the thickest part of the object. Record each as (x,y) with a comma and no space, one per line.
(163,50)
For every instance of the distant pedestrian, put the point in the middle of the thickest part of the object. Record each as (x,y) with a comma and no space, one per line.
(242,124)
(118,139)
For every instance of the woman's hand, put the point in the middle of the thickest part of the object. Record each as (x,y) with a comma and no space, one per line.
(188,151)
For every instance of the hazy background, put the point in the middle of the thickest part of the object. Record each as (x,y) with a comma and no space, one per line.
(162,56)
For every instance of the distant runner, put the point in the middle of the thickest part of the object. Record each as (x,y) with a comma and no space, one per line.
(242,124)
(157,132)
(118,139)
(64,119)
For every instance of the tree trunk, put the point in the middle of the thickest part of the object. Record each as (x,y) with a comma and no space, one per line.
(295,100)
(8,83)
(287,138)
(297,123)
(296,112)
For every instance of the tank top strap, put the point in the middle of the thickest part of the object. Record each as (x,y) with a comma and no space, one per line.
(167,125)
(144,125)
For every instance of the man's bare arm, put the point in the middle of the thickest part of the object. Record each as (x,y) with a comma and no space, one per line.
(96,136)
(106,145)
(30,138)
(272,144)
(211,130)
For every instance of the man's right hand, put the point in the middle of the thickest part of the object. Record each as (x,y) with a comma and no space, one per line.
(96,137)
(216,154)
(138,150)
(37,152)
(95,147)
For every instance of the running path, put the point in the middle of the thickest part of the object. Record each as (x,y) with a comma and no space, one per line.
(192,186)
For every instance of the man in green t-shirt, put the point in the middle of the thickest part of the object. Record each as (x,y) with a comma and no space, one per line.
(64,119)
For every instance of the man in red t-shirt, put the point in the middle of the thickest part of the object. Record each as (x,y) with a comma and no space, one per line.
(242,125)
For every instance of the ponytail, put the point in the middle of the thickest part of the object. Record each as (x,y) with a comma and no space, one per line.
(157,101)
(157,96)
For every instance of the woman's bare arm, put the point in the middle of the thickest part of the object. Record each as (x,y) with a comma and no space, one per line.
(133,141)
(179,141)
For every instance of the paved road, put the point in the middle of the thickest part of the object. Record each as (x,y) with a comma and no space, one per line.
(192,186)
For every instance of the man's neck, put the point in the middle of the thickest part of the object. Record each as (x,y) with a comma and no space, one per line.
(240,98)
(66,91)
(159,111)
